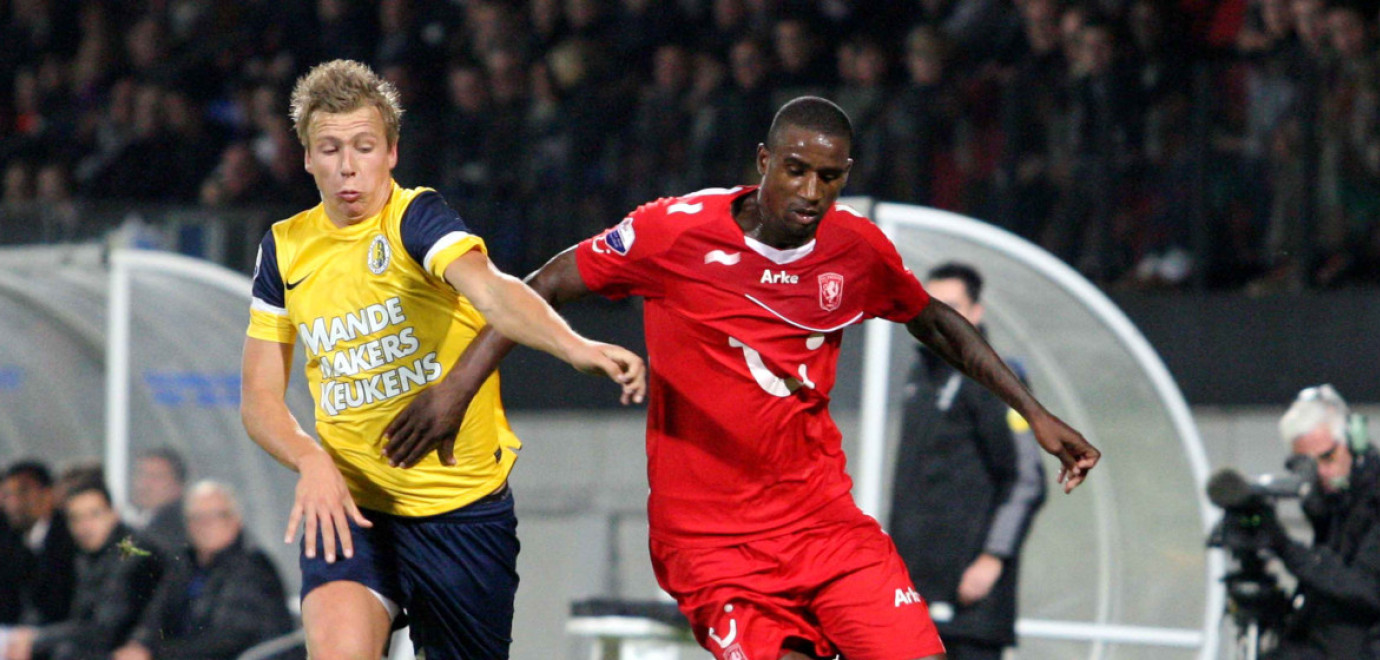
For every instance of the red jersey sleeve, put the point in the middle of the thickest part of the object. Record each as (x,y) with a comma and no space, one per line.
(624,260)
(895,295)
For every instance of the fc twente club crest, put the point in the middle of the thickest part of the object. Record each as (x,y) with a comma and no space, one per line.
(830,291)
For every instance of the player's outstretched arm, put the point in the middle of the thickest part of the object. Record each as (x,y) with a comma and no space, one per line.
(517,312)
(322,500)
(951,337)
(433,417)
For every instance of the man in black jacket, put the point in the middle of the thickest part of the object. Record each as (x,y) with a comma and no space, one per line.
(116,576)
(1337,613)
(50,554)
(968,483)
(224,598)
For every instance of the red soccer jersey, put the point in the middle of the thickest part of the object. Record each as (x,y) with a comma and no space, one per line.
(743,342)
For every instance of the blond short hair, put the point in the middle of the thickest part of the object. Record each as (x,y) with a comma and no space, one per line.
(342,86)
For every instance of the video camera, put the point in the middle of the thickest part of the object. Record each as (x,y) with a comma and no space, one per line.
(1247,501)
(1255,600)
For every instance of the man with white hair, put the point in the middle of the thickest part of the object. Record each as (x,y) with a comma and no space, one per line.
(1337,604)
(222,598)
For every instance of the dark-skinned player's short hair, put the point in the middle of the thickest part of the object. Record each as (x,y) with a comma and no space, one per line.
(33,469)
(813,113)
(953,270)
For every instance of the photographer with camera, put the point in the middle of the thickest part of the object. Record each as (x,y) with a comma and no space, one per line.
(1336,607)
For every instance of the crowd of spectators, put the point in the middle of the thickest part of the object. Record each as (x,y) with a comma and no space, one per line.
(174,576)
(1145,142)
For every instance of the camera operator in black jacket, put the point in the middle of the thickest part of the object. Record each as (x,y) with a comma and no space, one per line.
(1337,603)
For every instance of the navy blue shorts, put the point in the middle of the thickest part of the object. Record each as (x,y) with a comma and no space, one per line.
(454,574)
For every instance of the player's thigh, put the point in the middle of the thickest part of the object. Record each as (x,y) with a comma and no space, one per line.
(870,610)
(459,575)
(343,602)
(345,621)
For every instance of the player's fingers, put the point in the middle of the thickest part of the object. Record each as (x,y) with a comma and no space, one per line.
(326,522)
(447,451)
(342,530)
(356,514)
(399,433)
(294,519)
(309,533)
(416,450)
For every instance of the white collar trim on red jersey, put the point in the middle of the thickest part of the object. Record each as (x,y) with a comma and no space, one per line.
(780,257)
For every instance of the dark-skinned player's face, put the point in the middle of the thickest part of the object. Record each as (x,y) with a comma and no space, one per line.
(802,175)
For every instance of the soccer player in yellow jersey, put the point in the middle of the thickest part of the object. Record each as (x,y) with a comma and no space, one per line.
(385,287)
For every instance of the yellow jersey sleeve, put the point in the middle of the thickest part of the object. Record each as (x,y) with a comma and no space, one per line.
(268,315)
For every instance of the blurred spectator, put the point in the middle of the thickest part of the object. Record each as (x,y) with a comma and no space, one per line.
(56,208)
(804,68)
(19,186)
(1098,142)
(160,475)
(1349,217)
(222,598)
(346,30)
(728,25)
(920,122)
(116,575)
(659,146)
(49,567)
(238,180)
(863,95)
(549,178)
(1032,104)
(12,562)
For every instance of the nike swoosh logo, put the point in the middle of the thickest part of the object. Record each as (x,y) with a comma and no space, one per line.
(293,285)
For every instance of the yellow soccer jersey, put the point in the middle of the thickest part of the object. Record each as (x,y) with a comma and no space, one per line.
(380,324)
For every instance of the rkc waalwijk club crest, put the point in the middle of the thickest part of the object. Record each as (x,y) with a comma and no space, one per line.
(830,291)
(379,254)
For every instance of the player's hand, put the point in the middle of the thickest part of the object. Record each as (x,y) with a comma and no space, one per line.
(132,651)
(1076,455)
(430,421)
(323,503)
(616,362)
(979,578)
(21,644)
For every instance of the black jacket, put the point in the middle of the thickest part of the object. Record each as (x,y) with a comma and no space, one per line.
(52,576)
(13,567)
(965,484)
(1339,576)
(114,585)
(238,602)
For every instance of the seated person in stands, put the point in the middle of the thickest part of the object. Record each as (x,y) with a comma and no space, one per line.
(116,577)
(48,554)
(223,598)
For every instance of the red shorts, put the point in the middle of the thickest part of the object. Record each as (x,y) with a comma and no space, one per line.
(837,588)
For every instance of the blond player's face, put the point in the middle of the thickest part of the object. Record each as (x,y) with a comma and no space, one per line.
(349,156)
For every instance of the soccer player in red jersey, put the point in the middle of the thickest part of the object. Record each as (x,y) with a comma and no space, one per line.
(747,291)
